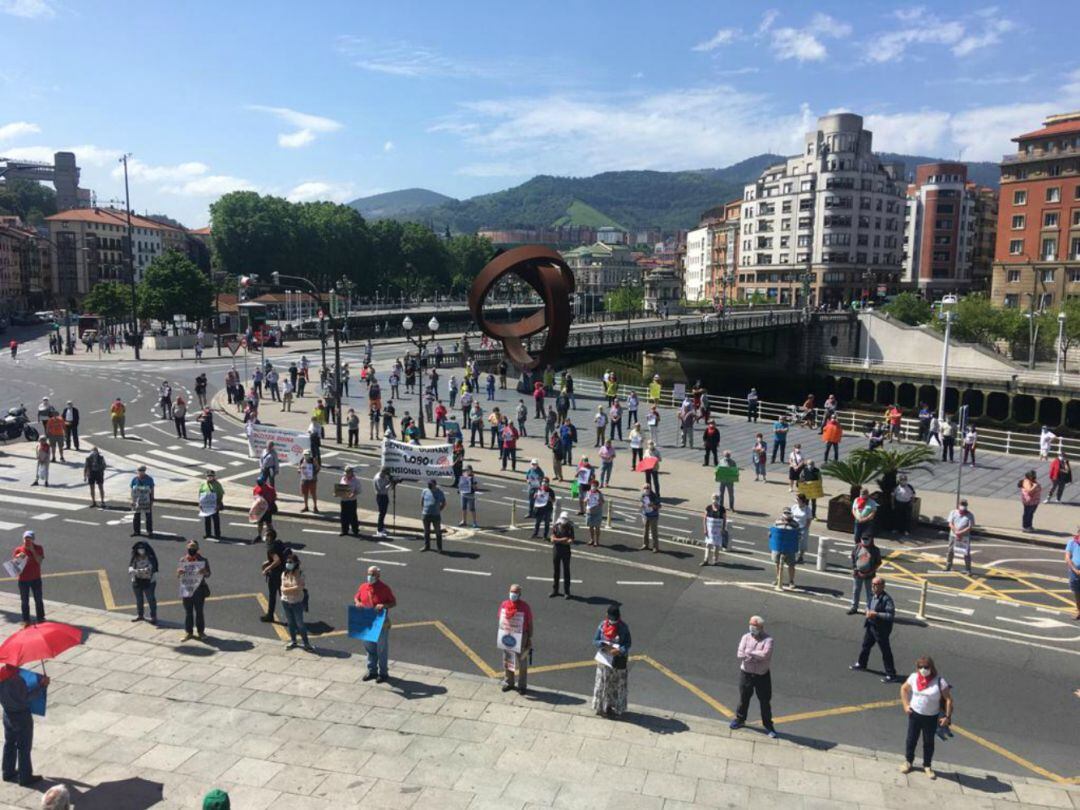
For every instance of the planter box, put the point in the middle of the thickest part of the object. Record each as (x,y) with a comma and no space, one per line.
(839,516)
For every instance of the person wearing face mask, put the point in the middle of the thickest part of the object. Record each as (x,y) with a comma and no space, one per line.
(192,572)
(755,656)
(612,640)
(272,570)
(376,594)
(961,522)
(715,525)
(594,512)
(880,613)
(543,502)
(143,569)
(516,664)
(293,599)
(922,695)
(562,541)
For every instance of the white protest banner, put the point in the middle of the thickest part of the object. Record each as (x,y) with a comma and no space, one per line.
(191,577)
(511,629)
(678,392)
(410,462)
(288,444)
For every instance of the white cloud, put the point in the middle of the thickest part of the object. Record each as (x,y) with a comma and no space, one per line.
(29,9)
(495,170)
(388,146)
(137,170)
(909,133)
(15,129)
(805,44)
(921,27)
(1072,86)
(85,155)
(316,190)
(406,59)
(307,126)
(211,185)
(725,36)
(993,28)
(767,20)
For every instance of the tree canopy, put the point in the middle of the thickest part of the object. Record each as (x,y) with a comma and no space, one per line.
(28,200)
(174,285)
(110,300)
(910,308)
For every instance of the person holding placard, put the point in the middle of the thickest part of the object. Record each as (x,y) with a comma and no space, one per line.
(652,422)
(211,498)
(347,490)
(192,573)
(562,540)
(543,505)
(726,475)
(143,569)
(467,489)
(650,515)
(637,442)
(715,526)
(142,501)
(583,478)
(594,511)
(376,595)
(516,626)
(612,642)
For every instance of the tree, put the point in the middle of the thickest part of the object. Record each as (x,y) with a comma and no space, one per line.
(625,299)
(1071,336)
(27,199)
(467,256)
(110,300)
(173,285)
(910,309)
(976,320)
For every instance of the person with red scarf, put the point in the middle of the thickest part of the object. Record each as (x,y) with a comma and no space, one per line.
(612,640)
(924,694)
(516,677)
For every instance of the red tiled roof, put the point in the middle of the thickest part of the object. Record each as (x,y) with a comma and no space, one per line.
(1061,128)
(108,216)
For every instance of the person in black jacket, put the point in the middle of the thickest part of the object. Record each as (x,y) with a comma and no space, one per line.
(15,698)
(70,416)
(877,629)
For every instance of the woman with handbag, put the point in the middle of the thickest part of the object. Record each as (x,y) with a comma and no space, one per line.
(1030,496)
(294,601)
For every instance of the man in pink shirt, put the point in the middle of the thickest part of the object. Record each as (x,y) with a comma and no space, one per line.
(755,655)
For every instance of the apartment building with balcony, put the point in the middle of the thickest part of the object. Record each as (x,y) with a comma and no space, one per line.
(1037,261)
(830,218)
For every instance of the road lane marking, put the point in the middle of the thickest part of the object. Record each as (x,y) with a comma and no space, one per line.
(63,506)
(184,519)
(191,462)
(81,522)
(309,553)
(380,562)
(548,579)
(463,571)
(5,526)
(638,582)
(961,610)
(320,531)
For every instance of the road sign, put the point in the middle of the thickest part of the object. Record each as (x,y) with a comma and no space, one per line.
(233,345)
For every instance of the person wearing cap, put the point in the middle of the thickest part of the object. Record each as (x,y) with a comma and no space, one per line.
(432,503)
(70,415)
(516,664)
(543,503)
(961,522)
(612,640)
(467,488)
(562,540)
(782,558)
(216,799)
(211,518)
(376,595)
(347,490)
(192,572)
(142,502)
(31,555)
(902,501)
(308,469)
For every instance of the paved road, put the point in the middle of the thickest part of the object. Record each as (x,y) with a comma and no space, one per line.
(1014,664)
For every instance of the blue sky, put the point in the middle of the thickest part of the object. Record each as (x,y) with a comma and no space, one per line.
(334,100)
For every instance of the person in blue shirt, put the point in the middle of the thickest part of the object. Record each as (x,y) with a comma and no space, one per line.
(1072,559)
(15,698)
(568,435)
(432,502)
(780,430)
(534,477)
(142,502)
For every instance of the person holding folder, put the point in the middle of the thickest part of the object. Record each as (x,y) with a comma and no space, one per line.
(376,595)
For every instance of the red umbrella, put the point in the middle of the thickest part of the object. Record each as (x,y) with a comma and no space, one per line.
(39,642)
(647,463)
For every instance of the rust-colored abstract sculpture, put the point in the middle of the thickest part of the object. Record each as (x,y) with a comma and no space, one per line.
(544,270)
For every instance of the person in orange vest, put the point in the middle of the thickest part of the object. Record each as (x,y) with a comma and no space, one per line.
(54,430)
(831,435)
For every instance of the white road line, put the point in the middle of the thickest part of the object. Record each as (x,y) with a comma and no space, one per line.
(309,553)
(243,525)
(379,562)
(961,610)
(234,454)
(236,439)
(184,519)
(236,464)
(81,522)
(637,582)
(5,526)
(157,462)
(141,439)
(43,516)
(174,447)
(203,465)
(471,573)
(548,579)
(63,506)
(319,531)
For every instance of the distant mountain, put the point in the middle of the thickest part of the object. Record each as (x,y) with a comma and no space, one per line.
(630,199)
(398,204)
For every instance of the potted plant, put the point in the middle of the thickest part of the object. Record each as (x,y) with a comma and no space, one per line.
(890,463)
(856,471)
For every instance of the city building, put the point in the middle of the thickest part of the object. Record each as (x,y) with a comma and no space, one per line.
(1037,260)
(611,235)
(946,219)
(725,241)
(88,246)
(662,292)
(983,245)
(599,269)
(63,173)
(25,268)
(830,218)
(698,263)
(559,236)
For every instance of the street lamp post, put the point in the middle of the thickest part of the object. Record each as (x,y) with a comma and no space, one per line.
(1033,336)
(1060,343)
(947,313)
(419,341)
(136,336)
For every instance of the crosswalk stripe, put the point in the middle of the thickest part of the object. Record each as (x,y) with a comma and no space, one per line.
(236,439)
(157,462)
(203,465)
(234,454)
(5,526)
(64,506)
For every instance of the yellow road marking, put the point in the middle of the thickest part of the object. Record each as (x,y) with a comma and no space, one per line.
(282,633)
(471,654)
(569,665)
(106,589)
(1009,755)
(836,712)
(681,681)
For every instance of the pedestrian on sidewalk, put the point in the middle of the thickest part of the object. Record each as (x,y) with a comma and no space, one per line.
(568,435)
(652,422)
(44,411)
(264,489)
(686,417)
(880,613)
(457,456)
(786,522)
(29,556)
(933,432)
(758,455)
(636,444)
(467,490)
(928,704)
(802,514)
(755,658)
(352,423)
(961,522)
(864,511)
(294,601)
(538,399)
(903,498)
(865,561)
(583,478)
(925,415)
(727,486)
(206,427)
(165,399)
(1030,496)
(562,541)
(43,458)
(614,417)
(15,697)
(795,466)
(382,483)
(432,503)
(440,418)
(94,474)
(715,531)
(272,569)
(495,420)
(594,512)
(607,463)
(70,416)
(534,475)
(54,431)
(143,569)
(347,490)
(1060,476)
(376,595)
(650,517)
(810,472)
(780,433)
(210,508)
(1072,561)
(476,424)
(948,439)
(1046,440)
(179,415)
(490,386)
(308,470)
(200,390)
(752,405)
(631,409)
(710,440)
(272,385)
(192,573)
(319,417)
(612,640)
(652,475)
(831,434)
(543,506)
(516,664)
(287,390)
(374,422)
(508,435)
(894,418)
(142,502)
(600,422)
(269,465)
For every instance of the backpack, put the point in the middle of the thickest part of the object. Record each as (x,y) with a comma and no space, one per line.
(864,560)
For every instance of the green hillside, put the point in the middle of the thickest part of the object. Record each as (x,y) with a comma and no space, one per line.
(398,204)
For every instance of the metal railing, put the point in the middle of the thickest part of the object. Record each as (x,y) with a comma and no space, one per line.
(933,370)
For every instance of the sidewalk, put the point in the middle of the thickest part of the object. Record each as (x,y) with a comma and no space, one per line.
(997,517)
(138,720)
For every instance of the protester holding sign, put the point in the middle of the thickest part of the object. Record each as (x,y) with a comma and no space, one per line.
(211,498)
(467,489)
(594,511)
(716,533)
(515,640)
(143,569)
(347,490)
(142,502)
(26,565)
(376,595)
(192,573)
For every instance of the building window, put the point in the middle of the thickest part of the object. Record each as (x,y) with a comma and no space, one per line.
(1074,276)
(1053,194)
(1054,171)
(1076,216)
(943,208)
(1050,219)
(1048,276)
(943,224)
(1016,247)
(1012,300)
(1049,249)
(1018,221)
(1074,251)
(1014,276)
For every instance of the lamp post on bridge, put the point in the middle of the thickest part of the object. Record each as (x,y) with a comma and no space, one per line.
(419,341)
(947,302)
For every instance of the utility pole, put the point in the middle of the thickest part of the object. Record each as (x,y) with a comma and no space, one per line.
(136,334)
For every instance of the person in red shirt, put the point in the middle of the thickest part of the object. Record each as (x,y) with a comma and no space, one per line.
(377,595)
(895,418)
(264,488)
(30,577)
(440,417)
(508,611)
(509,436)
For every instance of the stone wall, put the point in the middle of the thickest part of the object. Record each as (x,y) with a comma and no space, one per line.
(894,342)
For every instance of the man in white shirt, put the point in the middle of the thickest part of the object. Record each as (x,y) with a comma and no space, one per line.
(961,522)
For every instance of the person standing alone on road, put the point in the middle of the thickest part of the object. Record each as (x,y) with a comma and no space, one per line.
(924,694)
(94,474)
(142,502)
(308,470)
(29,556)
(715,526)
(432,503)
(376,595)
(347,490)
(54,430)
(865,561)
(650,516)
(42,458)
(206,427)
(562,540)
(192,573)
(143,569)
(961,522)
(1072,560)
(880,613)
(15,698)
(467,490)
(516,664)
(210,508)
(70,415)
(272,570)
(755,658)
(118,415)
(382,483)
(1030,495)
(1060,476)
(293,588)
(612,640)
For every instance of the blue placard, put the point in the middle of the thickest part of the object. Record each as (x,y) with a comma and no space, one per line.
(786,541)
(32,679)
(365,624)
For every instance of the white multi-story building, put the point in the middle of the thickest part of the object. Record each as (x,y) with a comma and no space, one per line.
(830,218)
(698,263)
